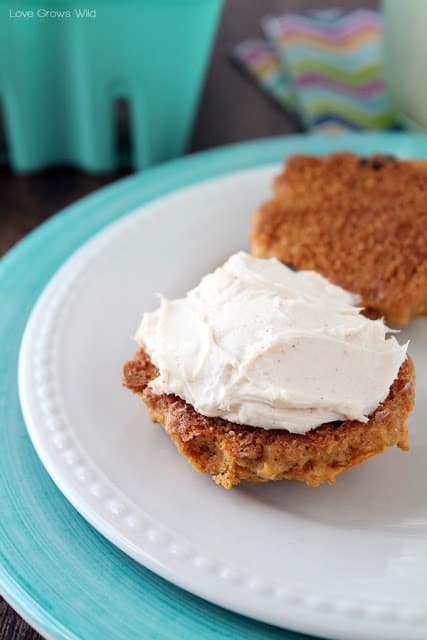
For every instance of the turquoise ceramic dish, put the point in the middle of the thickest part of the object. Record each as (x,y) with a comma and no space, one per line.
(63,68)
(59,573)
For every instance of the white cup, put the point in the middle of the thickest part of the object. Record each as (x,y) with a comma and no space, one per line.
(405,58)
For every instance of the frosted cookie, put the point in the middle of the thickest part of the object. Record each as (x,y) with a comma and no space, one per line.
(263,373)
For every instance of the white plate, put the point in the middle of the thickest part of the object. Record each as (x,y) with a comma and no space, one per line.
(348,561)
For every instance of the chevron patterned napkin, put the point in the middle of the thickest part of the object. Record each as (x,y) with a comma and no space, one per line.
(324,65)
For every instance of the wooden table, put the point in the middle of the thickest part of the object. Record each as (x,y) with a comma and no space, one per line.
(232,109)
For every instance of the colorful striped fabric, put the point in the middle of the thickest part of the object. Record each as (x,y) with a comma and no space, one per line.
(328,65)
(259,59)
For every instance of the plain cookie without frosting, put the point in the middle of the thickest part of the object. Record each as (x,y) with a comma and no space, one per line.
(361,222)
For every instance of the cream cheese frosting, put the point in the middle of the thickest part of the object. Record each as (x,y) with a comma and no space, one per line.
(257,343)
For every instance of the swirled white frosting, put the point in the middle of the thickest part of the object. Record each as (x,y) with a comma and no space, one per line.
(259,344)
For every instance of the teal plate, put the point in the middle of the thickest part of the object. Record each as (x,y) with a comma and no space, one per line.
(55,569)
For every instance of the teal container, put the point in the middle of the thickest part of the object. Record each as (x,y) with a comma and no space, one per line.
(62,74)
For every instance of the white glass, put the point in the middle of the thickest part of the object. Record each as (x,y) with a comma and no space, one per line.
(405,40)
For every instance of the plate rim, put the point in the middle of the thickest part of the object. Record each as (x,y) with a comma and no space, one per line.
(271,151)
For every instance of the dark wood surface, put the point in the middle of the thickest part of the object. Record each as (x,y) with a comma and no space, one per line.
(231,109)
